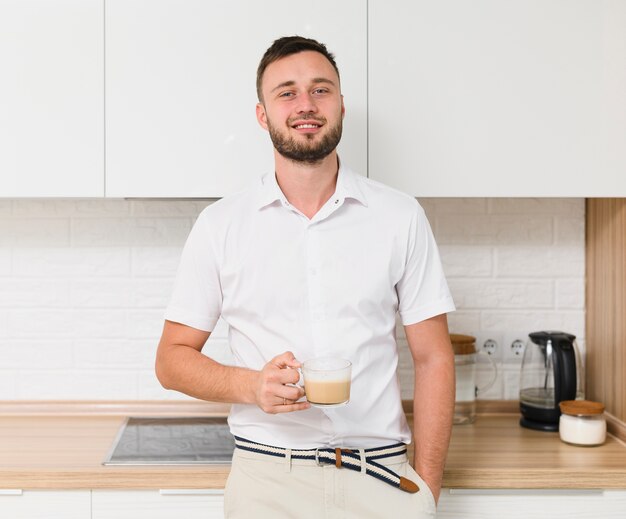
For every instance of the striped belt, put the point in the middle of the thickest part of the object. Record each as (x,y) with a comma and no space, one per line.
(352,459)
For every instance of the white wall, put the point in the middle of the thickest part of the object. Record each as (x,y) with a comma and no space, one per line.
(515,266)
(83,285)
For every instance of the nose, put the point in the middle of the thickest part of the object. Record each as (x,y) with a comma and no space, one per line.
(306,104)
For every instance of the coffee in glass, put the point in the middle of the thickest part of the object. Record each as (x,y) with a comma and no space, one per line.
(327,381)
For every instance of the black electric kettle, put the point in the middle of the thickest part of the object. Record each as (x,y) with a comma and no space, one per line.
(551,372)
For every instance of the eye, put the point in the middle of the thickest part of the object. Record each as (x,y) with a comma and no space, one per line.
(286,94)
(320,91)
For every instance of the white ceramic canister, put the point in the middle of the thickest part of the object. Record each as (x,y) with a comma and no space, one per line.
(582,422)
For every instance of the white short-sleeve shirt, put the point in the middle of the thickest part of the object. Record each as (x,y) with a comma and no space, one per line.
(329,285)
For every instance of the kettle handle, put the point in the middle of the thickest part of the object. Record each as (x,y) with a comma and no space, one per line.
(564,358)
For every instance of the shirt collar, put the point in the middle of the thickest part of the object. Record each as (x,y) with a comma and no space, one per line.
(269,191)
(347,187)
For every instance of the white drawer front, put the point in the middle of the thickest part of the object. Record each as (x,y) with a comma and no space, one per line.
(45,504)
(155,504)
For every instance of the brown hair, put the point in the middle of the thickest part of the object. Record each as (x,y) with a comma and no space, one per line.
(286,46)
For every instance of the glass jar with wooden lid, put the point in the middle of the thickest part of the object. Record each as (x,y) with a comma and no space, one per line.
(465,359)
(582,422)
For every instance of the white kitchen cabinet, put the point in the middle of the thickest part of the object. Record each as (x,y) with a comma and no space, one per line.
(155,504)
(453,504)
(538,504)
(51,98)
(503,99)
(45,504)
(181,96)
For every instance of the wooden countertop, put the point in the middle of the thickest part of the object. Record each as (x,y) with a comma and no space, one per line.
(495,452)
(65,452)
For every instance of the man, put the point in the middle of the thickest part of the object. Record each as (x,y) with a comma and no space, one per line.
(315,261)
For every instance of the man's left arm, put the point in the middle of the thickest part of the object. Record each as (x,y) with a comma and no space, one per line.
(433,397)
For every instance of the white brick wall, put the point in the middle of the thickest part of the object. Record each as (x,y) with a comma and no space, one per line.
(83,285)
(514,266)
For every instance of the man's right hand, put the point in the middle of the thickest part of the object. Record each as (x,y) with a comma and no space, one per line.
(276,391)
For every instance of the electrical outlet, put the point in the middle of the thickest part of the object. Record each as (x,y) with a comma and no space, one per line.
(517,347)
(490,346)
(514,346)
(490,343)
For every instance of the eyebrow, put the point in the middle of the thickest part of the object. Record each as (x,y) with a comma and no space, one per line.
(315,81)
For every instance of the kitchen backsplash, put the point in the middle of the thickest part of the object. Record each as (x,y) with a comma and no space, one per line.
(83,285)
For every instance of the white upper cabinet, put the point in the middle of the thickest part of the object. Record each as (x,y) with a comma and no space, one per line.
(180,90)
(51,98)
(498,98)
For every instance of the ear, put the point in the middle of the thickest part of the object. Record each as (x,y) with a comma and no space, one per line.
(343,108)
(261,115)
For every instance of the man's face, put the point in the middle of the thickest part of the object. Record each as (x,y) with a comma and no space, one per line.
(302,106)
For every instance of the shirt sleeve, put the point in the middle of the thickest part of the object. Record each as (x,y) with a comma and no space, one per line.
(196,299)
(422,291)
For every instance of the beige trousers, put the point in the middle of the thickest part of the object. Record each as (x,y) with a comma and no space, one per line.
(262,486)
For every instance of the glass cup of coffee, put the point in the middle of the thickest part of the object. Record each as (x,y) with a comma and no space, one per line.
(327,381)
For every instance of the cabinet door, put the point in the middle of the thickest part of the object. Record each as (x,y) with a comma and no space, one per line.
(181,95)
(51,98)
(538,504)
(155,504)
(492,98)
(45,504)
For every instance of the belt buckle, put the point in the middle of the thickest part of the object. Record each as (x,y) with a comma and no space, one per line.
(318,461)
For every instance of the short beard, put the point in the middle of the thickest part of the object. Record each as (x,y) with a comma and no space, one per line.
(301,152)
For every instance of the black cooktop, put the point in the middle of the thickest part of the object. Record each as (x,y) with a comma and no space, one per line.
(172,441)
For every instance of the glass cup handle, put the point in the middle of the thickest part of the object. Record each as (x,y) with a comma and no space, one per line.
(493,378)
(300,383)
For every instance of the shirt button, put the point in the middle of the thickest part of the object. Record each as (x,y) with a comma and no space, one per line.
(336,201)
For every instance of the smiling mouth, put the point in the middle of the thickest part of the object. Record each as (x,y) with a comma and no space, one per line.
(306,123)
(306,126)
